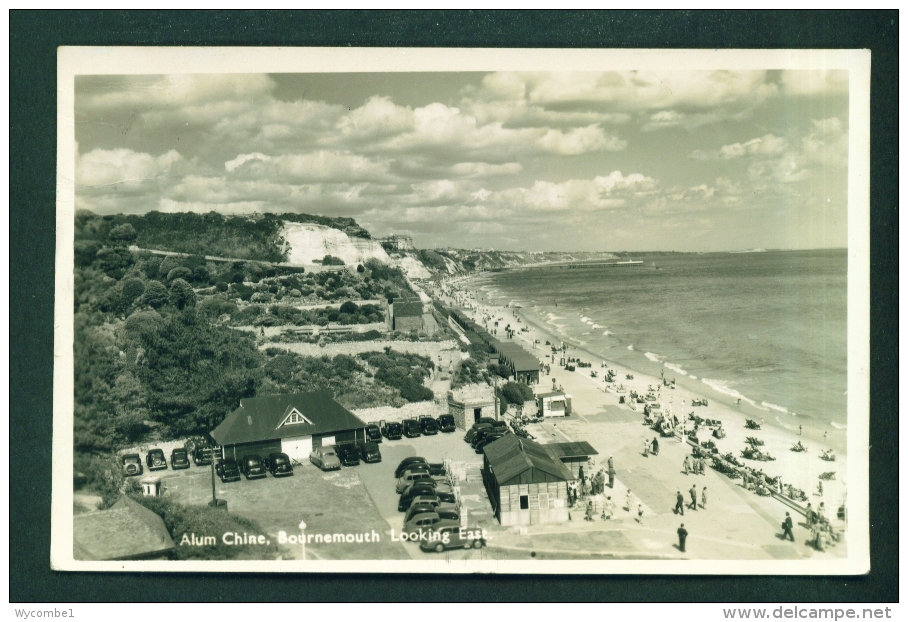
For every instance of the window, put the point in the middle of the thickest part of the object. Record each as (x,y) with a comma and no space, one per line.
(543,500)
(295,416)
(524,502)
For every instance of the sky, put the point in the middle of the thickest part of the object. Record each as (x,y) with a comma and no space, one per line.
(612,161)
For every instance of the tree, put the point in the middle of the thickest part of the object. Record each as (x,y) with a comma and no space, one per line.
(181,294)
(360,268)
(131,290)
(122,234)
(179,273)
(156,295)
(516,392)
(349,307)
(114,261)
(331,260)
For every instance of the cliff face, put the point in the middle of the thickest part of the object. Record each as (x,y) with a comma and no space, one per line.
(306,242)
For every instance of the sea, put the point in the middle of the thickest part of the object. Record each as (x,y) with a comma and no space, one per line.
(768,328)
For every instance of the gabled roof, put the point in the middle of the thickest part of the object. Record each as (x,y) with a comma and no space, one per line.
(260,418)
(127,530)
(510,456)
(571,450)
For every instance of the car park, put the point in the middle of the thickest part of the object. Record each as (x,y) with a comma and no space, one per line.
(421,522)
(391,430)
(131,464)
(369,452)
(251,466)
(155,460)
(446,423)
(348,454)
(228,470)
(448,534)
(373,432)
(412,428)
(481,434)
(406,462)
(428,425)
(179,459)
(325,459)
(278,464)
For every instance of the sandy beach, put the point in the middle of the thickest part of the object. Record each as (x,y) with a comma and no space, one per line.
(799,469)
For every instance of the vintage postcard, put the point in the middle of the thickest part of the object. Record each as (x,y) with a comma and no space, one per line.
(462,310)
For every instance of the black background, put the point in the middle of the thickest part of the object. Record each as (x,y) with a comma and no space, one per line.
(34,37)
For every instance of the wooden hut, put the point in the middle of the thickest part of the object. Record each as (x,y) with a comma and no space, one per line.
(527,485)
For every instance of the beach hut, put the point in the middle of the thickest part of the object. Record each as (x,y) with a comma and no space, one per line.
(573,455)
(553,404)
(526,484)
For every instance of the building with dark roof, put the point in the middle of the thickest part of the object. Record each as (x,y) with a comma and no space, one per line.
(406,313)
(293,424)
(574,455)
(127,530)
(527,484)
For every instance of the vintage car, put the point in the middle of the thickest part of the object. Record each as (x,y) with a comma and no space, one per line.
(410,476)
(446,423)
(251,466)
(428,425)
(228,470)
(476,429)
(444,492)
(201,455)
(347,453)
(131,464)
(155,460)
(406,462)
(278,464)
(488,440)
(448,534)
(373,432)
(421,522)
(391,430)
(179,459)
(325,459)
(431,503)
(412,429)
(369,452)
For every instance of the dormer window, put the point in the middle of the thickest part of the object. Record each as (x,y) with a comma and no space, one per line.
(294,416)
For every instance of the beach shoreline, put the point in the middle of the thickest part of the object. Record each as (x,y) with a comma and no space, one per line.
(801,470)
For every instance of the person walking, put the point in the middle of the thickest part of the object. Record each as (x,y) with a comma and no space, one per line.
(686,464)
(655,446)
(679,503)
(646,447)
(611,474)
(628,501)
(611,463)
(682,537)
(608,509)
(693,497)
(786,528)
(703,498)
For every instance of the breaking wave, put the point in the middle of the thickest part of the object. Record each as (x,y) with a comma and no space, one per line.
(678,370)
(655,358)
(722,387)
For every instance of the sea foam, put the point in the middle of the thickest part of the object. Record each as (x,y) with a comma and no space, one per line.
(678,370)
(655,358)
(781,409)
(722,387)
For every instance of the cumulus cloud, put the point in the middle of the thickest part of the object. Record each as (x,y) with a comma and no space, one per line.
(105,167)
(763,146)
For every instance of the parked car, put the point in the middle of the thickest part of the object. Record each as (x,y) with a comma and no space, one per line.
(202,454)
(369,452)
(500,425)
(228,470)
(446,423)
(373,432)
(391,430)
(431,503)
(251,466)
(278,464)
(412,428)
(444,493)
(325,459)
(482,420)
(179,459)
(406,462)
(481,434)
(488,440)
(476,429)
(421,522)
(428,425)
(347,454)
(411,476)
(155,460)
(131,464)
(448,534)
